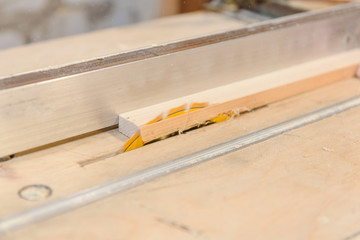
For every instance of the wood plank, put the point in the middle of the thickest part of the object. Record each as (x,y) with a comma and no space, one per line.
(241,96)
(38,114)
(303,183)
(62,169)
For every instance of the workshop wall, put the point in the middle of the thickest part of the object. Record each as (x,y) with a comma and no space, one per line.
(27,21)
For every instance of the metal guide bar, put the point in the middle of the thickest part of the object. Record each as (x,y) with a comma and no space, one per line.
(145,53)
(107,189)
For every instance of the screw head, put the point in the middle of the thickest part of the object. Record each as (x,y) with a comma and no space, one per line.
(35,192)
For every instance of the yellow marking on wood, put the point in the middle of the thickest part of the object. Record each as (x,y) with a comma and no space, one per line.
(136,141)
(221,117)
(197,106)
(176,111)
(157,119)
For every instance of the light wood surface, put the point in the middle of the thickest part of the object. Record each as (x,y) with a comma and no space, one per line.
(41,113)
(241,96)
(78,48)
(311,5)
(301,185)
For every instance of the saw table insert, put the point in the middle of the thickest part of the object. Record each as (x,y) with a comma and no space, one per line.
(284,164)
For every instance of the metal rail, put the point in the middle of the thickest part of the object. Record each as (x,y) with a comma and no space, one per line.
(22,79)
(104,190)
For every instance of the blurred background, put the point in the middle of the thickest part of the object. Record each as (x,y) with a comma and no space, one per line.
(27,21)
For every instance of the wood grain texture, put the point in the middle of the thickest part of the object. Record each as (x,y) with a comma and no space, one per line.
(242,96)
(78,48)
(293,185)
(41,113)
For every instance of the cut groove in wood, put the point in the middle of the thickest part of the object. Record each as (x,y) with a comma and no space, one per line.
(246,95)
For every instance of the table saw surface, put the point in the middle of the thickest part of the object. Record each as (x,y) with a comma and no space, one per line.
(303,184)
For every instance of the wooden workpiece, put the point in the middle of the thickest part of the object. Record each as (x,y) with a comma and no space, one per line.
(241,96)
(302,184)
(37,113)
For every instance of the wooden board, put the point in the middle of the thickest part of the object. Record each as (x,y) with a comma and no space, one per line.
(40,113)
(298,189)
(265,181)
(241,96)
(74,49)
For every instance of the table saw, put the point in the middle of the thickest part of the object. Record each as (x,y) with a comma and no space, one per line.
(282,163)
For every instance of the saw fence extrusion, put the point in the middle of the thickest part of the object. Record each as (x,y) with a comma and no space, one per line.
(107,189)
(21,79)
